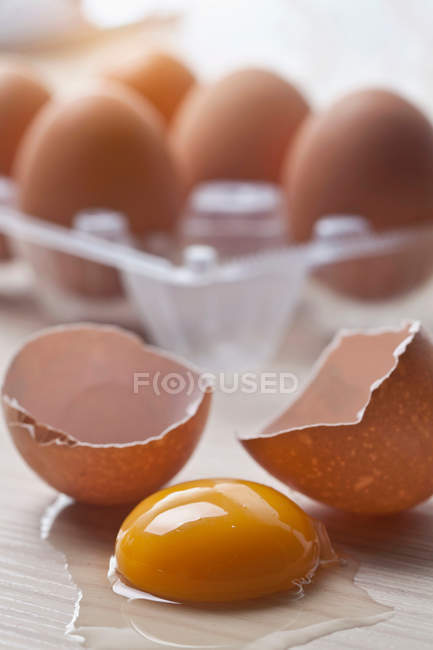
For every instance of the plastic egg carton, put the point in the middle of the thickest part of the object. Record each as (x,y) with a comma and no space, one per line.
(219,310)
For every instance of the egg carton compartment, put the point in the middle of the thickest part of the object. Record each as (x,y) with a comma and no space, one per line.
(220,311)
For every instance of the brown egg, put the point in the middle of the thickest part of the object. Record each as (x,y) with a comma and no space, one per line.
(21,96)
(360,437)
(159,78)
(103,149)
(238,128)
(370,154)
(93,428)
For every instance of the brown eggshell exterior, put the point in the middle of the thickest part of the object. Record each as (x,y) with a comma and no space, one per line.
(5,252)
(104,149)
(238,128)
(93,472)
(159,78)
(381,465)
(370,154)
(21,97)
(72,275)
(107,475)
(384,277)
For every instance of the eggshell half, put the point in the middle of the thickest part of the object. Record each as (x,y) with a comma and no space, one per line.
(238,128)
(70,406)
(369,154)
(360,437)
(159,77)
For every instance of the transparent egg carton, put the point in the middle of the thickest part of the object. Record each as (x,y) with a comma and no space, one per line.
(223,296)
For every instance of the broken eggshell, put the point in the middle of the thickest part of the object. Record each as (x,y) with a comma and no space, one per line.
(72,411)
(360,437)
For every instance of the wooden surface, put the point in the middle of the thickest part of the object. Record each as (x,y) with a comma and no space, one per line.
(37,597)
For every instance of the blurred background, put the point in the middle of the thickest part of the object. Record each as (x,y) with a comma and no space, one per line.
(305,110)
(327,46)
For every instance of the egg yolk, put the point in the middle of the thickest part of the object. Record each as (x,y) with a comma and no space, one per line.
(216,540)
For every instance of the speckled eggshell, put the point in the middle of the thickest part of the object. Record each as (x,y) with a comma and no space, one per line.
(360,437)
(69,404)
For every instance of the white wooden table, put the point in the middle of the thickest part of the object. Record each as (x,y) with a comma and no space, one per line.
(37,595)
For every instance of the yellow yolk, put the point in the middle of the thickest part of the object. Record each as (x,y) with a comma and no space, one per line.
(216,540)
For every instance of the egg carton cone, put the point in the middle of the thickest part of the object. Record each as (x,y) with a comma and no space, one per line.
(220,313)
